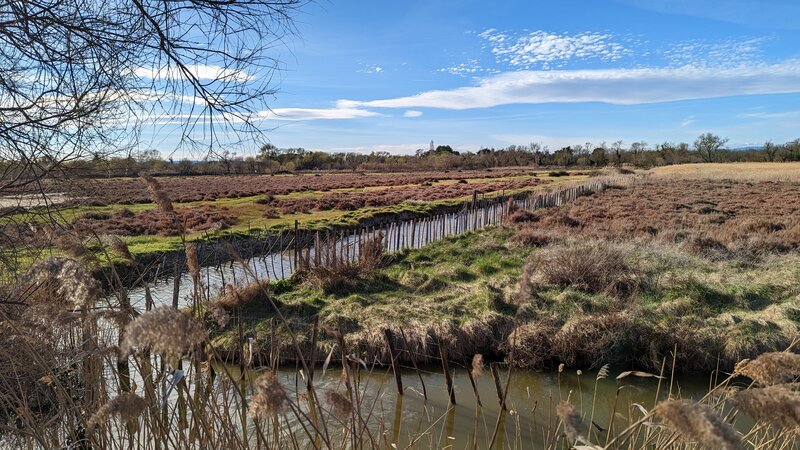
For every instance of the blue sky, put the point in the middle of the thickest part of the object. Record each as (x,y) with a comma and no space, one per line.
(392,76)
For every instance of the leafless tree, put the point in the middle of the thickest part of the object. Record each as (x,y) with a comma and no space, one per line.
(82,77)
(708,145)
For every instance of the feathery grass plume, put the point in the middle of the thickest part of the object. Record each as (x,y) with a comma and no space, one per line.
(164,330)
(66,279)
(217,313)
(697,422)
(72,245)
(342,407)
(477,366)
(771,368)
(192,262)
(157,193)
(127,405)
(574,427)
(121,248)
(603,373)
(269,397)
(233,253)
(776,405)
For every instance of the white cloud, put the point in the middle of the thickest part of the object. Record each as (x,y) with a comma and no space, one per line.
(372,68)
(412,113)
(729,53)
(616,86)
(541,48)
(294,114)
(688,121)
(199,71)
(771,115)
(471,67)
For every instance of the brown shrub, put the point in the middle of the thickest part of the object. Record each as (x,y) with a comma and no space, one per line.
(597,267)
(530,237)
(521,216)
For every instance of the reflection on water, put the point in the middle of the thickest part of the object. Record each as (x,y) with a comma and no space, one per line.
(531,401)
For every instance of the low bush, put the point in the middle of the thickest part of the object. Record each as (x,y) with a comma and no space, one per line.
(597,267)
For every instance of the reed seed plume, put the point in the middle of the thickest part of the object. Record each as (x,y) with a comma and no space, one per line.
(574,427)
(67,280)
(233,253)
(218,314)
(696,422)
(120,247)
(73,246)
(342,407)
(127,406)
(771,368)
(269,397)
(164,330)
(603,373)
(776,405)
(157,193)
(192,262)
(477,366)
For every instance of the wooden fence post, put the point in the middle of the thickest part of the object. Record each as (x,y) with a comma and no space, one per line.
(387,333)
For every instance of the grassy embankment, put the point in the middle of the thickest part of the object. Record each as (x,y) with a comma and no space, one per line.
(250,220)
(466,291)
(586,290)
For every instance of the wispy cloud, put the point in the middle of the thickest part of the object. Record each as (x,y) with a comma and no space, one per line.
(370,68)
(770,115)
(544,49)
(727,53)
(199,71)
(469,68)
(294,114)
(688,121)
(616,86)
(412,113)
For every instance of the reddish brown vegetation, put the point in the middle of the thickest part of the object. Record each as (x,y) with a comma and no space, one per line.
(189,189)
(707,216)
(392,196)
(154,222)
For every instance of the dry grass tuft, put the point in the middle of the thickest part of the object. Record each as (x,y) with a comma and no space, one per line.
(696,422)
(269,397)
(777,405)
(771,368)
(164,330)
(530,237)
(521,216)
(597,267)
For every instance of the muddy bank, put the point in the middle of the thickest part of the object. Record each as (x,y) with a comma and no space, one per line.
(624,345)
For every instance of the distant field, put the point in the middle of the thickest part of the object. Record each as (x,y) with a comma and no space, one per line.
(208,188)
(789,171)
(227,205)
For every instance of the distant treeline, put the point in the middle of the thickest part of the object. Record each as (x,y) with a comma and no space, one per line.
(271,160)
